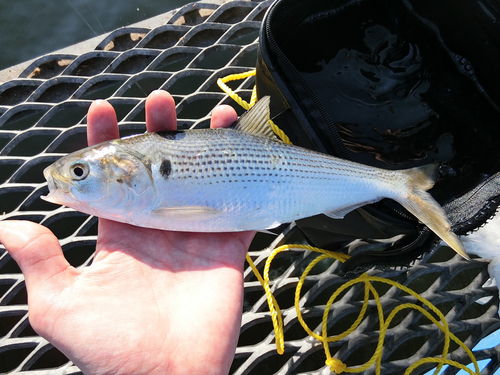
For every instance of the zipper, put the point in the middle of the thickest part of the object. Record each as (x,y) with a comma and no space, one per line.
(338,143)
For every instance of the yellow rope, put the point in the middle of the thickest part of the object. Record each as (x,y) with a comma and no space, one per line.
(336,365)
(234,77)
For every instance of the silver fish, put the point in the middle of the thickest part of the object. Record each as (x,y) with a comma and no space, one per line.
(235,179)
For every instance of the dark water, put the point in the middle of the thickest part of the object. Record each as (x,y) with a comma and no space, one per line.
(403,90)
(31,28)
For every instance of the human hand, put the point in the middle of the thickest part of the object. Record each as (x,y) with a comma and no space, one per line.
(152,302)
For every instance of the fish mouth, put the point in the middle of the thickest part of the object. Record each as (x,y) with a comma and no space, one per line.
(50,180)
(57,193)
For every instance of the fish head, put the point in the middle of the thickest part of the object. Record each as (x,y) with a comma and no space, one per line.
(102,180)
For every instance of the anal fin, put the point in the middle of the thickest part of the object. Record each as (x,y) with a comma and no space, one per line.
(341,212)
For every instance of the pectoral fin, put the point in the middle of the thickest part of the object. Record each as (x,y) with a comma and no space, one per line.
(188,213)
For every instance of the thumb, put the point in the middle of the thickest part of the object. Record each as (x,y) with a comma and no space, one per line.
(39,255)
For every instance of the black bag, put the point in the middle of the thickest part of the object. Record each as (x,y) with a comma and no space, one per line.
(393,84)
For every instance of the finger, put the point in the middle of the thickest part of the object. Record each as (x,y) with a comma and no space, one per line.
(223,116)
(160,112)
(38,253)
(101,123)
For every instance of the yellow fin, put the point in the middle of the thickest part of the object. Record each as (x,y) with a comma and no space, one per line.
(421,204)
(256,120)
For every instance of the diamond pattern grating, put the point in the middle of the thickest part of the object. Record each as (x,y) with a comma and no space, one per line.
(43,116)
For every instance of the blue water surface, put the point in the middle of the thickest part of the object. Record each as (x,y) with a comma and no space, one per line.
(32,28)
(488,342)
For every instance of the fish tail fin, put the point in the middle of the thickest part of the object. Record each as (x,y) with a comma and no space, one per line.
(422,205)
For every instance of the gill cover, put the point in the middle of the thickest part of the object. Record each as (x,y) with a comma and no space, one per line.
(104,176)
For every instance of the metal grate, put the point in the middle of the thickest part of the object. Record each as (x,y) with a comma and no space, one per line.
(43,116)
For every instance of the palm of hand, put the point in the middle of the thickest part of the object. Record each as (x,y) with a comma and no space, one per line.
(159,302)
(152,301)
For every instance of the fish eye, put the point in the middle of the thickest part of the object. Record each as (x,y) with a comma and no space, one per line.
(79,170)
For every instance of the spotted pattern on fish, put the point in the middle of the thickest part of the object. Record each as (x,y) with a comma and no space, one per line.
(220,180)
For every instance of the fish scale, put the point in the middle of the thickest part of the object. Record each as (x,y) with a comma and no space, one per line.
(218,165)
(223,180)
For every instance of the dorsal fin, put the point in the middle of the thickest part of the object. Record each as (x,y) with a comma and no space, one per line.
(256,120)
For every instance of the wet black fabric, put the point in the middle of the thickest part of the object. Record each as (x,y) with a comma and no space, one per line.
(393,84)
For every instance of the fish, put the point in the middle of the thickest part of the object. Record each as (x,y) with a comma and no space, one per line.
(231,179)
